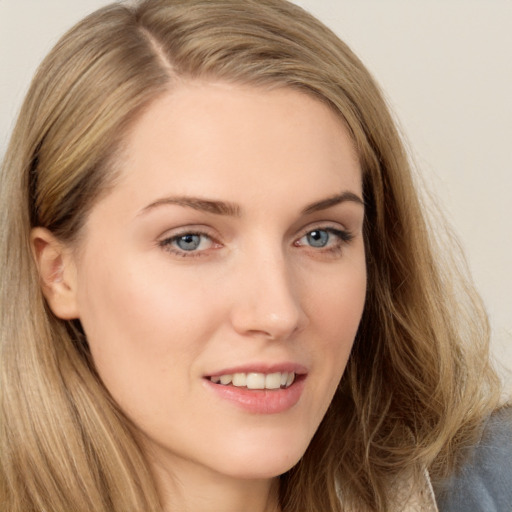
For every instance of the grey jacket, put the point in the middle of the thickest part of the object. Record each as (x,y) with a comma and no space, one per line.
(484,482)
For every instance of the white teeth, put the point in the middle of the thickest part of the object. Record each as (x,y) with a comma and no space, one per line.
(256,380)
(240,380)
(226,379)
(273,381)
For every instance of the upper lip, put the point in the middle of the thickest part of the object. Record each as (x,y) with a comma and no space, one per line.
(266,368)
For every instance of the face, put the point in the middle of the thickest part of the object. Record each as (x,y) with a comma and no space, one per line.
(221,282)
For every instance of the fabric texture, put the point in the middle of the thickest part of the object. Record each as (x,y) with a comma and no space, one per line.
(484,482)
(412,496)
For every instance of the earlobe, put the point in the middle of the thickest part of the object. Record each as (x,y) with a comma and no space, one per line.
(57,273)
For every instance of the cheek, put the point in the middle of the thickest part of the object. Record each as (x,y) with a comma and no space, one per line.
(137,301)
(336,313)
(334,306)
(337,306)
(141,324)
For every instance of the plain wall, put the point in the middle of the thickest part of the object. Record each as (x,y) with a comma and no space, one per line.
(446,69)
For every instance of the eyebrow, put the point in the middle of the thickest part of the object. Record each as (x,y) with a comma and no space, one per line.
(324,204)
(234,210)
(204,205)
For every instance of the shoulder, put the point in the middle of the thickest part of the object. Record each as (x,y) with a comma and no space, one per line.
(484,482)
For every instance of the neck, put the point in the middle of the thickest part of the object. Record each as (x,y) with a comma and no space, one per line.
(189,487)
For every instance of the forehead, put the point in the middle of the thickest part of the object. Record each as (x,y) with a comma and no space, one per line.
(221,139)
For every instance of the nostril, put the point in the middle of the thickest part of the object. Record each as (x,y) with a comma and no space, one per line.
(263,334)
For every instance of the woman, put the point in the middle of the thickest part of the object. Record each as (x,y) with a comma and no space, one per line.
(236,303)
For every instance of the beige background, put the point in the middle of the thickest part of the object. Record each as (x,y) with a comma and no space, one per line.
(446,68)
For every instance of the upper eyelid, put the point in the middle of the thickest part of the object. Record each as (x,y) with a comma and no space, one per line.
(348,235)
(214,235)
(187,230)
(169,238)
(325,225)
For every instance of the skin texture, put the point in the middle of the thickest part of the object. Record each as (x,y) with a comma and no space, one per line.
(255,291)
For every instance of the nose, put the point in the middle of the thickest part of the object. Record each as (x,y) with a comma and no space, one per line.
(267,302)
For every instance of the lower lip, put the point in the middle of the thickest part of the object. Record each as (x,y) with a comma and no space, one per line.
(261,401)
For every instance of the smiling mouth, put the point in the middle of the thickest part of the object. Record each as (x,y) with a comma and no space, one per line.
(253,380)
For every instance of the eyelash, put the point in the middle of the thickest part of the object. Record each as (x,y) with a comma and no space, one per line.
(168,244)
(344,237)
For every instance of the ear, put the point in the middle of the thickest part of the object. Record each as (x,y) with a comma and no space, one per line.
(57,273)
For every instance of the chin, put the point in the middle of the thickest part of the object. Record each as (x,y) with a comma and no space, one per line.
(263,459)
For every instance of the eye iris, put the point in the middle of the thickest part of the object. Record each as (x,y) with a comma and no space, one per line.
(318,238)
(188,242)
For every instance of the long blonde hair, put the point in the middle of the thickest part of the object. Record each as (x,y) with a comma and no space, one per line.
(418,382)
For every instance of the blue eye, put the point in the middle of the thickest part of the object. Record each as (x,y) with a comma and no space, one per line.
(188,242)
(329,239)
(318,238)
